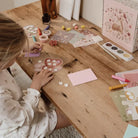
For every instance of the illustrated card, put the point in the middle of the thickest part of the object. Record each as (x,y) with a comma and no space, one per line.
(119,23)
(126,102)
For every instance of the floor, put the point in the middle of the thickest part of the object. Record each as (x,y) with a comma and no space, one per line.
(24,82)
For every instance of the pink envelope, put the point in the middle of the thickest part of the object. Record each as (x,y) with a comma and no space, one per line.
(81,77)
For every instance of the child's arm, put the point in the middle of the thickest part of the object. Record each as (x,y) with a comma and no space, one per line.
(15,114)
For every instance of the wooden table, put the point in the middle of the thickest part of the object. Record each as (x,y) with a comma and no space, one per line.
(88,106)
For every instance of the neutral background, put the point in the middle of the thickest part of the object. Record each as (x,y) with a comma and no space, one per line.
(92,10)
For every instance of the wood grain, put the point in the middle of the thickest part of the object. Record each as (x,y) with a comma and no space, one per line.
(88,106)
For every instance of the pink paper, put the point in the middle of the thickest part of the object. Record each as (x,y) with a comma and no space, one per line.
(133,78)
(81,77)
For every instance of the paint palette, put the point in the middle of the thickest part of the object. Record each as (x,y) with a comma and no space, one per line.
(117,51)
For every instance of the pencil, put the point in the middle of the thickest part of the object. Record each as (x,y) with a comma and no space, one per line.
(117,86)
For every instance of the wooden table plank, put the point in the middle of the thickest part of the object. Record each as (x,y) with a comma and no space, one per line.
(88,106)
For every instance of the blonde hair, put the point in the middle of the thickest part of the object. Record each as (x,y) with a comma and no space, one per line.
(12,38)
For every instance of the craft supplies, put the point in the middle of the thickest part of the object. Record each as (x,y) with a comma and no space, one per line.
(46,32)
(74,24)
(76,37)
(34,39)
(82,26)
(88,39)
(85,41)
(46,18)
(126,102)
(120,23)
(117,86)
(32,55)
(30,30)
(43,38)
(131,132)
(53,43)
(60,83)
(131,75)
(47,27)
(53,64)
(81,77)
(119,78)
(118,51)
(76,27)
(39,66)
(66,85)
(45,68)
(63,27)
(39,32)
(68,29)
(62,36)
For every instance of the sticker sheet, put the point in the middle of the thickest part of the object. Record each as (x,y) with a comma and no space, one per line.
(126,102)
(76,38)
(62,36)
(84,38)
(87,40)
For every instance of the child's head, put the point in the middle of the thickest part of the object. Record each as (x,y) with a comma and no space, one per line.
(12,41)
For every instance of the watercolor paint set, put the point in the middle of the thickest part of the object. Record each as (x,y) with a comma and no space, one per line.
(118,51)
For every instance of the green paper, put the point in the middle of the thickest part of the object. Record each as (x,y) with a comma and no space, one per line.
(128,108)
(131,131)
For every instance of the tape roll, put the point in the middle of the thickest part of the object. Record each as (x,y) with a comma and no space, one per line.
(47,32)
(43,38)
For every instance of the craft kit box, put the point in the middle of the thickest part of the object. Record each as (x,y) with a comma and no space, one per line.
(120,23)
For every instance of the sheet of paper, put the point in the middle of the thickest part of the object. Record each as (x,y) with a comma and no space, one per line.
(127,103)
(133,78)
(62,36)
(131,132)
(122,74)
(77,36)
(86,41)
(81,77)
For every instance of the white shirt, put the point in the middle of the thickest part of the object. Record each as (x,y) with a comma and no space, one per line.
(19,115)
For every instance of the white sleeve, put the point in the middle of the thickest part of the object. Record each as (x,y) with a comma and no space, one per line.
(15,113)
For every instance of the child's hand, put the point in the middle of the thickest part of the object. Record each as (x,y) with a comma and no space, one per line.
(40,79)
(36,48)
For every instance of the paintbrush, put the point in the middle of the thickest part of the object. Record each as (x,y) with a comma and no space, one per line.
(97,39)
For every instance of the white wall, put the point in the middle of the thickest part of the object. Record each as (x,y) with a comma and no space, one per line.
(92,10)
(10,4)
(18,3)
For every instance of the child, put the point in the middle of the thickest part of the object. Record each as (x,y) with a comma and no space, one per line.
(19,116)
